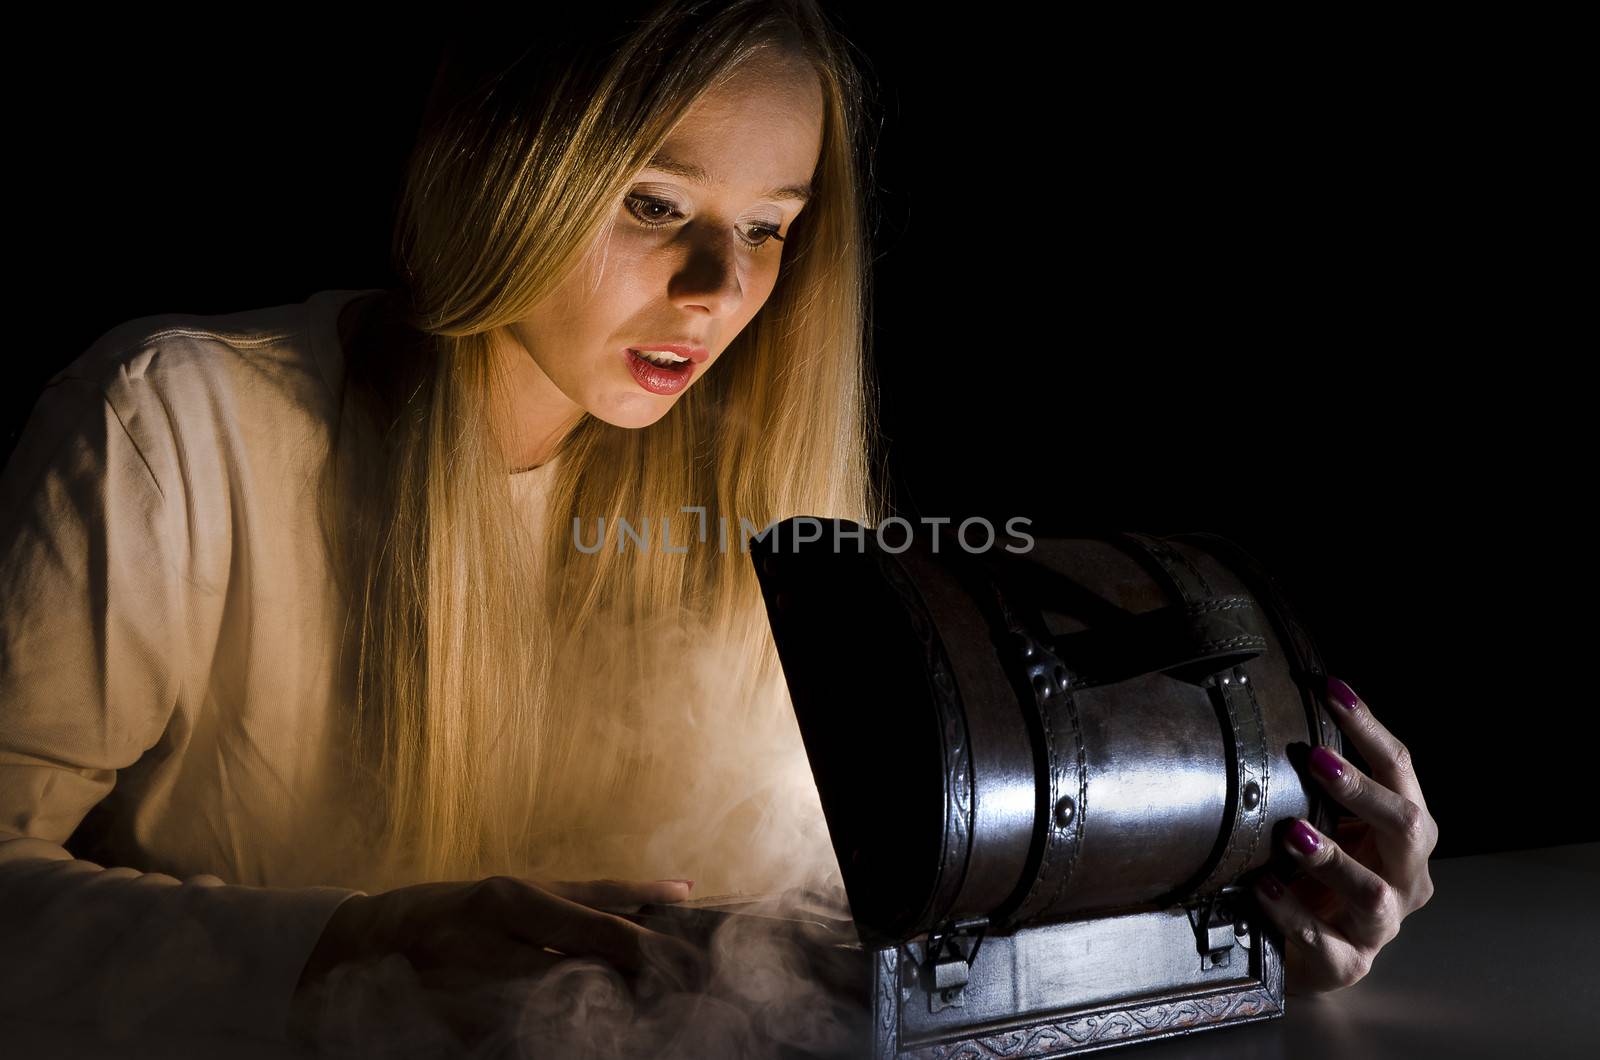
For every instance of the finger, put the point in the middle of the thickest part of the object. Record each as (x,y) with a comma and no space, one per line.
(543,918)
(619,895)
(1389,758)
(1371,906)
(1405,826)
(1316,956)
(540,917)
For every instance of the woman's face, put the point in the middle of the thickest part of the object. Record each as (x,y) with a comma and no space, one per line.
(689,258)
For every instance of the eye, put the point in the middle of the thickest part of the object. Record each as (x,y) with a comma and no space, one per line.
(654,220)
(657,213)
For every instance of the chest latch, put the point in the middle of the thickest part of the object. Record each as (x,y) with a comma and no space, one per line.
(1218,928)
(947,964)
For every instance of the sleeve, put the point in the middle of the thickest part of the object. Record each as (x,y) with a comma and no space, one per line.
(90,585)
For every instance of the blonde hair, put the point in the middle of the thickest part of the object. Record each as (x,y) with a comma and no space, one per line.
(504,725)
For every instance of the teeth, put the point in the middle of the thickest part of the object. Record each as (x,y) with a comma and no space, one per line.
(661,357)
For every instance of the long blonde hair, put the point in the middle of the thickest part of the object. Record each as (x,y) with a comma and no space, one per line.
(504,725)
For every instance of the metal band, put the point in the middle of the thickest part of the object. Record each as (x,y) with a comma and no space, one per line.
(1063,814)
(956,848)
(1244,731)
(1244,737)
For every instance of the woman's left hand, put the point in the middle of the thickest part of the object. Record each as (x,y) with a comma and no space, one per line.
(1359,886)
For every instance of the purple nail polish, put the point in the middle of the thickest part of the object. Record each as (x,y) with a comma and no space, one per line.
(1341,693)
(1325,764)
(1270,886)
(1303,839)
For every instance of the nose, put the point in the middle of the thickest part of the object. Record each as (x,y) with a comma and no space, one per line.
(708,279)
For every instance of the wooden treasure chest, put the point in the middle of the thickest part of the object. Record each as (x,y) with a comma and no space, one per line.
(1047,776)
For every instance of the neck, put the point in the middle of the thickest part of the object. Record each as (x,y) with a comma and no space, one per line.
(533,415)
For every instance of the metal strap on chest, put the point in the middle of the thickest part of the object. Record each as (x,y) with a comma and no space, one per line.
(1243,732)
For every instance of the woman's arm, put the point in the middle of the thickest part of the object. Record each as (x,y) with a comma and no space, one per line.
(90,605)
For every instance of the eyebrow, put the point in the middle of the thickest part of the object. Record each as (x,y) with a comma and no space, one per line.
(690,171)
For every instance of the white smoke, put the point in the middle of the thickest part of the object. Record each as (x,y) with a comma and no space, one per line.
(762,999)
(686,764)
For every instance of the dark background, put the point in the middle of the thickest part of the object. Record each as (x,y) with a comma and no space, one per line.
(1272,281)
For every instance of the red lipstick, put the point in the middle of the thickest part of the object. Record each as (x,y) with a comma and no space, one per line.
(664,379)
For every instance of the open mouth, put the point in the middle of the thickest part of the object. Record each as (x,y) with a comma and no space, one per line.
(663,361)
(665,377)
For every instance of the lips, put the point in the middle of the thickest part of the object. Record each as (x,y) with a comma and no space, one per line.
(657,379)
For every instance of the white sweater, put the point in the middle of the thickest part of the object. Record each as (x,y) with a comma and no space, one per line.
(167,659)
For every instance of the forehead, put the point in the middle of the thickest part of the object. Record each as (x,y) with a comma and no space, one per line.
(761,125)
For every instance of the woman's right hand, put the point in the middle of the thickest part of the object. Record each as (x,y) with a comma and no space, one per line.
(463,937)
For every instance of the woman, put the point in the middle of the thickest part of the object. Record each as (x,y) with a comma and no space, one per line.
(513,711)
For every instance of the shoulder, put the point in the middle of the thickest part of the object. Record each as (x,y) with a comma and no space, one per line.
(211,376)
(179,352)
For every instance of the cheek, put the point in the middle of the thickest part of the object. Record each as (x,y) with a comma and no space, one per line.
(628,277)
(593,309)
(760,284)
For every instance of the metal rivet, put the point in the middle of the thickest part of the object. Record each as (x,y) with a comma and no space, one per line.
(1252,795)
(1244,679)
(1041,687)
(1061,679)
(1227,680)
(1065,808)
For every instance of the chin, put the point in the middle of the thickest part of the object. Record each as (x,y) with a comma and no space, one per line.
(631,413)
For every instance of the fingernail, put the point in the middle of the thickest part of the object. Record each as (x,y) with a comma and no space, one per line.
(1342,693)
(686,883)
(1325,764)
(1269,886)
(1303,838)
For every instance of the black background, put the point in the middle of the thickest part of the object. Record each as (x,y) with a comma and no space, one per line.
(1268,280)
